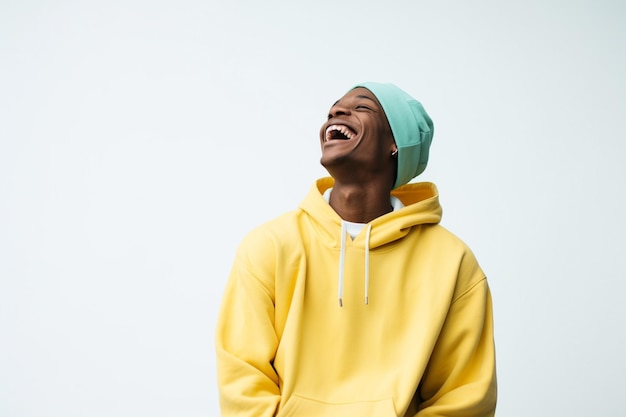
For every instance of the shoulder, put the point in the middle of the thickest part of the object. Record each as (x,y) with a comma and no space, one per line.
(452,250)
(269,250)
(274,231)
(440,237)
(271,237)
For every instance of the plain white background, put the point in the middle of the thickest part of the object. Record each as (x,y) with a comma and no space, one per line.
(140,140)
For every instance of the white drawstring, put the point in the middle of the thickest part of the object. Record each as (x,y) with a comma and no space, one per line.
(342,255)
(367,262)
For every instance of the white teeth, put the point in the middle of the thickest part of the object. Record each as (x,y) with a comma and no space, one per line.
(343,129)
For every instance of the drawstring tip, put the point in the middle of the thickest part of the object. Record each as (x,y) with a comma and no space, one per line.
(340,302)
(367,300)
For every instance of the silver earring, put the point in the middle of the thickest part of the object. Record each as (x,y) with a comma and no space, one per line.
(394,153)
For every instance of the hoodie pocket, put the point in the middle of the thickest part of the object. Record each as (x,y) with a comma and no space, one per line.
(297,406)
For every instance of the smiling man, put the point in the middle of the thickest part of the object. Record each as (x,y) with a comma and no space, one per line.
(359,303)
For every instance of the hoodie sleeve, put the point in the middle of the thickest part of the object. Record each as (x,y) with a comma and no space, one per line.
(245,338)
(460,380)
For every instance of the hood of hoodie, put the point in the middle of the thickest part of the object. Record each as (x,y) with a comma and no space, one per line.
(421,201)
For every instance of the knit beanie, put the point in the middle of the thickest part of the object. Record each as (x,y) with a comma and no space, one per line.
(411,126)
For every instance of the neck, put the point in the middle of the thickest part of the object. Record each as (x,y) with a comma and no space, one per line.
(360,203)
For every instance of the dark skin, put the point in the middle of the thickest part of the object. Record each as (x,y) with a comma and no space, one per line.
(358,151)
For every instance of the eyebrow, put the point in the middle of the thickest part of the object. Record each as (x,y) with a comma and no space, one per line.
(359,96)
(369,98)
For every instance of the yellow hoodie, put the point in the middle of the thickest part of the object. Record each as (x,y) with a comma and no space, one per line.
(413,336)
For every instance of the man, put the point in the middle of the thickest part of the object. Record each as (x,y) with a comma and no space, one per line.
(358,303)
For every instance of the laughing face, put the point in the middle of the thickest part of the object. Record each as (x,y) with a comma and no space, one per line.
(356,138)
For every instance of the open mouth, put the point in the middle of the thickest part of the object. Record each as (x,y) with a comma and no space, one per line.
(338,132)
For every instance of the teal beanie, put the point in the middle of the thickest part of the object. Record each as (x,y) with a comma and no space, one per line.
(411,126)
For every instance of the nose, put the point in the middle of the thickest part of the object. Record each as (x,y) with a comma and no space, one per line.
(338,110)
